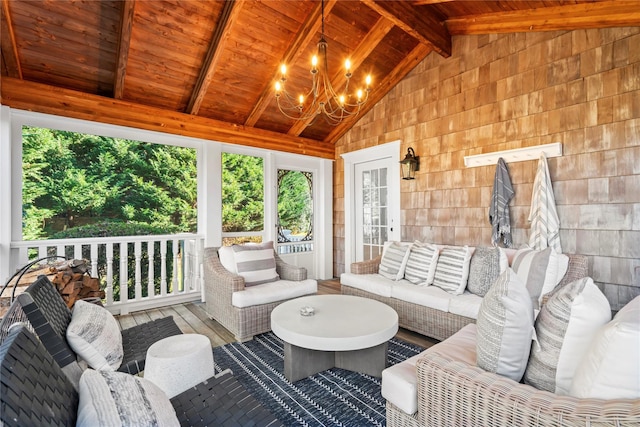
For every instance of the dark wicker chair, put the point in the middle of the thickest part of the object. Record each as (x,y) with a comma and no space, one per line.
(35,392)
(49,317)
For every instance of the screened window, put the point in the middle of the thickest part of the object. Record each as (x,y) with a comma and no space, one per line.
(295,211)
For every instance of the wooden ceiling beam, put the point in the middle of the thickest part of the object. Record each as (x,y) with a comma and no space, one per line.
(305,36)
(424,27)
(124,41)
(10,58)
(374,37)
(417,55)
(228,17)
(24,95)
(613,13)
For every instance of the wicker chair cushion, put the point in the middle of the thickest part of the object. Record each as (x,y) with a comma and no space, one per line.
(485,267)
(565,328)
(373,283)
(227,259)
(119,399)
(256,263)
(610,368)
(394,260)
(95,336)
(400,381)
(421,264)
(505,327)
(428,296)
(272,292)
(452,269)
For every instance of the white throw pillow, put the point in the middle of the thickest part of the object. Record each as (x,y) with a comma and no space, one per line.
(565,328)
(452,269)
(504,327)
(421,264)
(394,260)
(256,263)
(611,367)
(484,268)
(119,399)
(538,270)
(94,335)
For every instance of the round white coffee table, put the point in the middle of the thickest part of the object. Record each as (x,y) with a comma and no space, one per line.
(345,331)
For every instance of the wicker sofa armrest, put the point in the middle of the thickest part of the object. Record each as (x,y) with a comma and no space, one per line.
(455,393)
(217,277)
(366,267)
(289,271)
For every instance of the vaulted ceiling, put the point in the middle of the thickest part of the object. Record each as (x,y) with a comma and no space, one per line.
(207,68)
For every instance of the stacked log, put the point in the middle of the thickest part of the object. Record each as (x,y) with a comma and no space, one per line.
(70,278)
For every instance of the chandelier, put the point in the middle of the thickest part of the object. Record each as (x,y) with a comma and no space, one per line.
(322,99)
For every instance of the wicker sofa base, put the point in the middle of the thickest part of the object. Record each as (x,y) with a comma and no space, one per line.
(427,321)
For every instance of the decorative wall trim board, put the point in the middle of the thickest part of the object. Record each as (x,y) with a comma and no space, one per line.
(516,155)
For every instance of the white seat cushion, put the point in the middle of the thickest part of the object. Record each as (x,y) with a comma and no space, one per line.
(399,382)
(428,296)
(272,292)
(467,305)
(373,283)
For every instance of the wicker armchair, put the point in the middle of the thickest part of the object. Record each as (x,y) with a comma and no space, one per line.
(453,393)
(35,392)
(245,322)
(48,317)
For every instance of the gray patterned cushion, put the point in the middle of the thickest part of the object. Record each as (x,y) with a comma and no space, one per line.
(452,269)
(504,327)
(421,264)
(256,263)
(119,399)
(95,336)
(565,329)
(394,259)
(485,267)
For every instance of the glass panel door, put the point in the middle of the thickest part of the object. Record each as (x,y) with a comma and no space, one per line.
(372,203)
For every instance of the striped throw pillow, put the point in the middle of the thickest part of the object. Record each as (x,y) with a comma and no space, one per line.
(421,264)
(538,270)
(394,260)
(256,263)
(119,399)
(452,269)
(565,328)
(504,327)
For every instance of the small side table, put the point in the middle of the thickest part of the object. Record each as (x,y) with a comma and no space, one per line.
(179,362)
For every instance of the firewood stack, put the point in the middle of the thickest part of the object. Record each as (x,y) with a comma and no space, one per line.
(71,279)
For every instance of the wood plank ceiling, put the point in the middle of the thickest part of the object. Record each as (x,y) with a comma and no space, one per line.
(206,68)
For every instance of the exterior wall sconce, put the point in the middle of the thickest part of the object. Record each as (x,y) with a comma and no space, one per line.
(410,164)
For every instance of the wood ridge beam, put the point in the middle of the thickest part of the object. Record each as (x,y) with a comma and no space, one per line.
(415,57)
(426,28)
(9,54)
(304,37)
(30,96)
(228,16)
(612,13)
(124,42)
(374,37)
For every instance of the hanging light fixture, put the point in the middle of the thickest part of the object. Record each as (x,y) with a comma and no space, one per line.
(410,164)
(322,98)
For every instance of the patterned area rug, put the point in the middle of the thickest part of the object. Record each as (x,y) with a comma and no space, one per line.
(334,397)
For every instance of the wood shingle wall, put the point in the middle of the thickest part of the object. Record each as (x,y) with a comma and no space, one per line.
(498,92)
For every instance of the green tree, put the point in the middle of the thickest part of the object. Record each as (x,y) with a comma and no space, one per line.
(242,193)
(294,201)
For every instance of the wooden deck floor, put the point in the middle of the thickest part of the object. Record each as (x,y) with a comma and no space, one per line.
(192,318)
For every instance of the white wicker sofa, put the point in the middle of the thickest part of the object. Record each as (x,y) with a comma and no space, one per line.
(246,310)
(426,309)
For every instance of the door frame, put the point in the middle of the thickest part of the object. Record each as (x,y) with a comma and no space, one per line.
(391,152)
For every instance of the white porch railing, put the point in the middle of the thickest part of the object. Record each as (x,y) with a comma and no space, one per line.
(136,272)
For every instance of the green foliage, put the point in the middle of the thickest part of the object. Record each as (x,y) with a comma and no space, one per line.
(69,175)
(242,193)
(112,228)
(294,202)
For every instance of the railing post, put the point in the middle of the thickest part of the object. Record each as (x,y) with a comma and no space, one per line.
(151,287)
(163,267)
(109,290)
(138,269)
